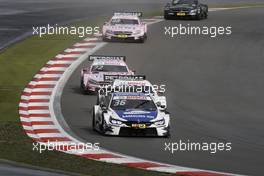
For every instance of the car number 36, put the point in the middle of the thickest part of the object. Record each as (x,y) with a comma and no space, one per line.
(119,102)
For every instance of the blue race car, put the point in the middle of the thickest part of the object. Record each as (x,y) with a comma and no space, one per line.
(128,114)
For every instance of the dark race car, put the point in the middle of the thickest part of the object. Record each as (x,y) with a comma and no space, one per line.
(185,9)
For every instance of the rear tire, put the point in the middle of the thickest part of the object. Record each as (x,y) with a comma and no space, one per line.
(168,135)
(205,15)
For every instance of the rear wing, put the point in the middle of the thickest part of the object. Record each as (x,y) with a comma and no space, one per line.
(138,14)
(124,77)
(98,57)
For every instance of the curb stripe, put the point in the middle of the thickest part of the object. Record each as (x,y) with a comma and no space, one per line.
(37,107)
(194,173)
(37,123)
(43,131)
(143,165)
(73,52)
(50,72)
(100,156)
(38,100)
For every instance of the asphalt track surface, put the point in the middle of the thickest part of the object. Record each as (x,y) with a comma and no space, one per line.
(214,93)
(18,16)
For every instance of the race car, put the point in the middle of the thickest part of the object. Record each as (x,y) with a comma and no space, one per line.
(93,77)
(138,83)
(129,114)
(125,27)
(191,9)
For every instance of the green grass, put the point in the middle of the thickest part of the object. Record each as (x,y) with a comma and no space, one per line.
(17,147)
(19,63)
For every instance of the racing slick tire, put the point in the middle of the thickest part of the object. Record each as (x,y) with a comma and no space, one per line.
(105,39)
(82,86)
(93,121)
(142,40)
(198,17)
(145,36)
(102,126)
(168,135)
(83,90)
(166,17)
(205,15)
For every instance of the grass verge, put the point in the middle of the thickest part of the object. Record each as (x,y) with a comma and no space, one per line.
(16,146)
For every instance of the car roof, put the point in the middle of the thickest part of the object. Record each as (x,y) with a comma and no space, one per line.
(119,82)
(117,62)
(133,17)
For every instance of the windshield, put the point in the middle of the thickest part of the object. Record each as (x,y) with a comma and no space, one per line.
(123,104)
(189,2)
(123,21)
(135,89)
(109,68)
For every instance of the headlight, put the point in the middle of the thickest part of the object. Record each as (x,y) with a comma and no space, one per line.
(91,81)
(160,122)
(109,31)
(115,121)
(193,11)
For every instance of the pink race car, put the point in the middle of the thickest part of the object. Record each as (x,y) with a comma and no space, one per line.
(96,77)
(125,26)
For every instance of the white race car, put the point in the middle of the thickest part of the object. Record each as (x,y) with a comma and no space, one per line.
(95,76)
(125,26)
(128,114)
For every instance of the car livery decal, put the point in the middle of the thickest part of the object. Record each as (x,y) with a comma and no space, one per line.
(137,115)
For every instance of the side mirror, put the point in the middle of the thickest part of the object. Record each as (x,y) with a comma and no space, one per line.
(160,92)
(105,23)
(133,71)
(103,107)
(161,106)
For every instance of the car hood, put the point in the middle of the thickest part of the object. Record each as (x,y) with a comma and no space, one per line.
(137,115)
(182,7)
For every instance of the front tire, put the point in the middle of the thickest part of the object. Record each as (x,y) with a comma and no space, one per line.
(93,121)
(82,86)
(102,126)
(166,17)
(105,39)
(199,16)
(205,15)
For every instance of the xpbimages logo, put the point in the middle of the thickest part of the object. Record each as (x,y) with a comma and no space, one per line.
(69,146)
(212,31)
(146,89)
(183,146)
(80,31)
